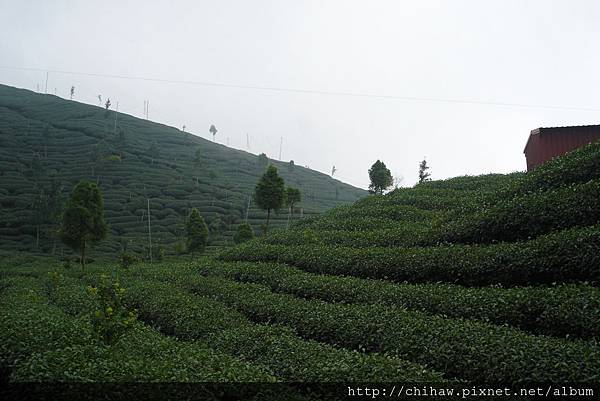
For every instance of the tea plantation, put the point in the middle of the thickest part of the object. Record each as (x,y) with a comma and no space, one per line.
(48,144)
(488,279)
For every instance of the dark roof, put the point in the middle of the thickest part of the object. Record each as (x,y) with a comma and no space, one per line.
(549,130)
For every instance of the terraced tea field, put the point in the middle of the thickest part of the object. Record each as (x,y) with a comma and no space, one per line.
(490,279)
(48,144)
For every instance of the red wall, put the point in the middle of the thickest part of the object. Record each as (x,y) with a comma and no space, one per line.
(552,142)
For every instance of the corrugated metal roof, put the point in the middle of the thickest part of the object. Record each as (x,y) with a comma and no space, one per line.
(548,130)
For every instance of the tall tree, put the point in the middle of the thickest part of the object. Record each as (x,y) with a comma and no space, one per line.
(213,131)
(83,221)
(292,196)
(197,232)
(269,193)
(381,178)
(423,173)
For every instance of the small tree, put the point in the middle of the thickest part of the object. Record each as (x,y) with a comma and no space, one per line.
(381,178)
(197,232)
(107,104)
(213,131)
(263,160)
(83,220)
(243,233)
(269,193)
(72,92)
(423,173)
(292,196)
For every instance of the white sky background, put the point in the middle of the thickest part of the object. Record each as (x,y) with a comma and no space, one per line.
(522,51)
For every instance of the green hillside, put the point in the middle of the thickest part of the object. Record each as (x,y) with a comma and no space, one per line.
(48,144)
(470,280)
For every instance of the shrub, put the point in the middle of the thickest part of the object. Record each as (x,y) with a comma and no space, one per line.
(112,320)
(243,233)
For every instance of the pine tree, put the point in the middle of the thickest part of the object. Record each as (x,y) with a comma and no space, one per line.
(269,193)
(423,173)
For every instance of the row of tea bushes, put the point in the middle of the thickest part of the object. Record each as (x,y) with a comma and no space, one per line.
(564,311)
(290,358)
(40,342)
(463,349)
(565,256)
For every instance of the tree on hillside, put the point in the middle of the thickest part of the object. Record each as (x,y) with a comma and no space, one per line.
(291,166)
(198,157)
(99,100)
(269,193)
(243,233)
(72,92)
(263,160)
(292,196)
(423,173)
(197,232)
(83,220)
(216,226)
(381,178)
(213,131)
(107,104)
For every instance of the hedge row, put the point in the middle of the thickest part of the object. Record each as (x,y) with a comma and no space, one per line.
(527,216)
(565,256)
(286,355)
(565,311)
(40,342)
(460,348)
(578,166)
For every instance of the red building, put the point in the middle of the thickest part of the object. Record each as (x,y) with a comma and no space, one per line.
(546,143)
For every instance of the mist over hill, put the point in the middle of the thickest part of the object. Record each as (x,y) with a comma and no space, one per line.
(48,144)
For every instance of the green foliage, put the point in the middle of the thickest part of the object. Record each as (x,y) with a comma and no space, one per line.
(112,320)
(469,350)
(197,232)
(565,256)
(192,318)
(243,233)
(292,197)
(269,193)
(564,311)
(83,219)
(381,178)
(263,160)
(127,259)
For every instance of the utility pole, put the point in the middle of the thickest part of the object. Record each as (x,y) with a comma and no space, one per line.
(116,114)
(46,89)
(149,232)
(247,142)
(248,208)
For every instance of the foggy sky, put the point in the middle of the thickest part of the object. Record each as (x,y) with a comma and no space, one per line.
(526,52)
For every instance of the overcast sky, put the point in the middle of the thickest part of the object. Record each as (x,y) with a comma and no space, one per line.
(511,52)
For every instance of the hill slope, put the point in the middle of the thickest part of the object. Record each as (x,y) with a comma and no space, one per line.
(48,144)
(490,279)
